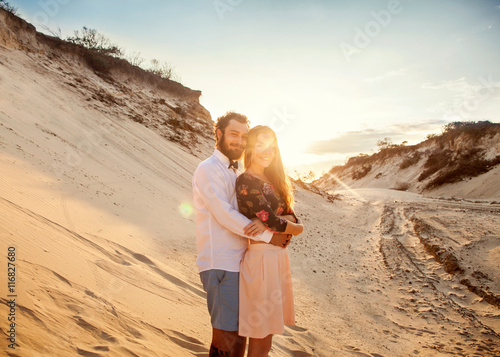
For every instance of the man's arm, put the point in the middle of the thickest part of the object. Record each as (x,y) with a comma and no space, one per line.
(209,186)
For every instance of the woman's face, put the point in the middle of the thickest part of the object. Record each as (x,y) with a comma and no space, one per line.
(264,151)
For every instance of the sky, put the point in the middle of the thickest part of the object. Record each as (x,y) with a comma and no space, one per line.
(332,78)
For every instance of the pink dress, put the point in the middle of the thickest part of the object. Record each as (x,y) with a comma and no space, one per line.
(266,296)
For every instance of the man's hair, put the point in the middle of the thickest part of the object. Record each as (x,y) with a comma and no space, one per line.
(223,121)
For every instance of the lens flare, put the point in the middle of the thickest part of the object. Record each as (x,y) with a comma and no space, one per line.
(346,186)
(186,210)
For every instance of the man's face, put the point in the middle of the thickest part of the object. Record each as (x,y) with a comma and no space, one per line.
(233,141)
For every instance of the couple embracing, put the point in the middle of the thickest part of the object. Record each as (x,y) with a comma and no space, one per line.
(244,222)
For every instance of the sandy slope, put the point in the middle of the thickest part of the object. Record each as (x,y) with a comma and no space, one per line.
(92,203)
(99,210)
(381,292)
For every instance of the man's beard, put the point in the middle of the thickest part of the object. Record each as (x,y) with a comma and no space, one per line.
(232,152)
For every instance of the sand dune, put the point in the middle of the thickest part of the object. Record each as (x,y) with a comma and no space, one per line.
(461,163)
(99,210)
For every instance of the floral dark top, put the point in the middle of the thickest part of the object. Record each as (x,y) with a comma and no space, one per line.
(257,198)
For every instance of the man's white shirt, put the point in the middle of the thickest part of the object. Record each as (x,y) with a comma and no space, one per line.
(219,225)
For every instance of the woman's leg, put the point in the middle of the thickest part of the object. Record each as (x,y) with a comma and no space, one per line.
(260,347)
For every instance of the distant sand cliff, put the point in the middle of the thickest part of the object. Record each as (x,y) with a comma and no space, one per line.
(462,162)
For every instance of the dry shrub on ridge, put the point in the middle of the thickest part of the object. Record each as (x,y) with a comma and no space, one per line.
(410,161)
(462,169)
(361,172)
(8,7)
(436,161)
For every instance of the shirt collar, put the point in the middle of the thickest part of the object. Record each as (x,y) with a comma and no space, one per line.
(223,158)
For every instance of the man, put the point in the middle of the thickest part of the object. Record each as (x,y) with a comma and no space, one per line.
(222,232)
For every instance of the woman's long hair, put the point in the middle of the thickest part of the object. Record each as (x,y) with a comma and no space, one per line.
(275,172)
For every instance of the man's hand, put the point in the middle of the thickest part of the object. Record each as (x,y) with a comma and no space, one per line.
(281,240)
(254,228)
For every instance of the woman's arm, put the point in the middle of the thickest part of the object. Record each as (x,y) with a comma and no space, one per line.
(293,228)
(253,203)
(289,217)
(297,224)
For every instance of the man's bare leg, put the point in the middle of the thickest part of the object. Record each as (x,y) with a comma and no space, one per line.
(260,347)
(227,343)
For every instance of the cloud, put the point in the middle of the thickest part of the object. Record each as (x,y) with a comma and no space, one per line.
(347,143)
(354,142)
(462,85)
(393,73)
(456,85)
(423,127)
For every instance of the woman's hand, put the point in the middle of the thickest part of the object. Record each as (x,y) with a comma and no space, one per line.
(254,228)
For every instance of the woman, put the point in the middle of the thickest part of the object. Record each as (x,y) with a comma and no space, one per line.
(264,192)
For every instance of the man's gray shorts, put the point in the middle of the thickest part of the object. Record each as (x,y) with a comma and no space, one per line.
(222,289)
